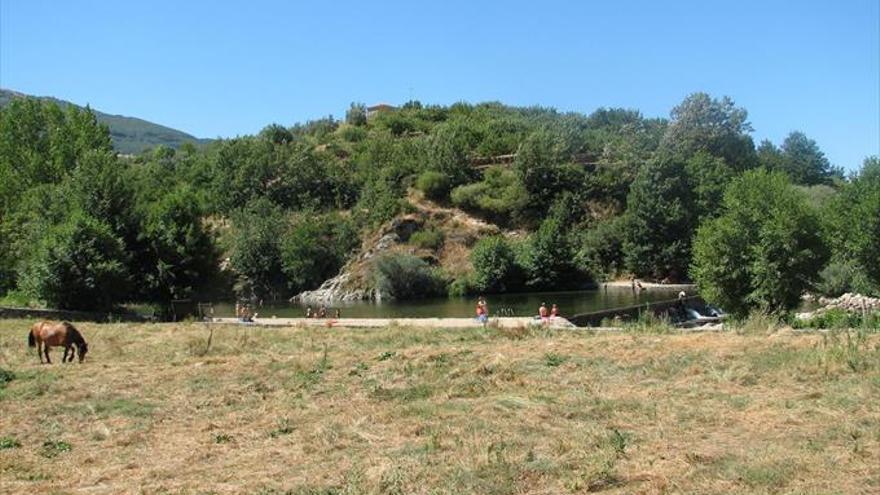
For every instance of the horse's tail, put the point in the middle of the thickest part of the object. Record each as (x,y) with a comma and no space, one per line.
(32,342)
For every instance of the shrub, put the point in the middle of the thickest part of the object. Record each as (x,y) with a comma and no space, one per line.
(256,247)
(53,448)
(6,376)
(495,267)
(427,239)
(837,278)
(403,276)
(601,249)
(500,195)
(9,443)
(764,249)
(78,264)
(461,287)
(434,184)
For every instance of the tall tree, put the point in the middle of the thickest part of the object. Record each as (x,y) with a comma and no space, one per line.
(660,221)
(718,127)
(803,161)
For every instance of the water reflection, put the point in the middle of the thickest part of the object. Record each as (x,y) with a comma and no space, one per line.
(525,304)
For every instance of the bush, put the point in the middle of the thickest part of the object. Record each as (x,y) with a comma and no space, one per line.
(460,287)
(403,276)
(500,195)
(837,278)
(837,318)
(764,249)
(495,267)
(427,239)
(78,264)
(854,226)
(548,260)
(601,249)
(256,247)
(434,184)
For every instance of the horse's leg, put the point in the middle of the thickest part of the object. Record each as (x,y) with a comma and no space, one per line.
(40,350)
(64,357)
(46,351)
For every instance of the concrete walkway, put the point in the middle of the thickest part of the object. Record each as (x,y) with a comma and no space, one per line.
(402,322)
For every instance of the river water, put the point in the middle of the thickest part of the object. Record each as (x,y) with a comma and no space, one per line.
(524,304)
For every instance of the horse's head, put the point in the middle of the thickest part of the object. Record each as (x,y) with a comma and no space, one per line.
(83,349)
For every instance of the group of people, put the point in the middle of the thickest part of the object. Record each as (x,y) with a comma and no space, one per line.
(321,312)
(244,312)
(547,316)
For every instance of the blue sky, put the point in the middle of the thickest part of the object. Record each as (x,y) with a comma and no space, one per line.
(228,68)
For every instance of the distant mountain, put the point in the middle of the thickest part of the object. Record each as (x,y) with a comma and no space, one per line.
(130,135)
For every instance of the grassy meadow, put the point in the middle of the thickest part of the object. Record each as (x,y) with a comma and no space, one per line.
(158,409)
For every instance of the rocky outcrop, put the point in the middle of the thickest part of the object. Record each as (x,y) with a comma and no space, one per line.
(355,282)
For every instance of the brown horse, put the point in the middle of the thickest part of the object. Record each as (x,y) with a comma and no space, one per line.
(54,334)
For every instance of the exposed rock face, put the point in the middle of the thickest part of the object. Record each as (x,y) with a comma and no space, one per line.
(337,289)
(355,281)
(347,287)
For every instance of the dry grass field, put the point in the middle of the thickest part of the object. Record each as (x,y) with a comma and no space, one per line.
(339,411)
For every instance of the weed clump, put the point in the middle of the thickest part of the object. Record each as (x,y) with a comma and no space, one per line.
(52,448)
(9,443)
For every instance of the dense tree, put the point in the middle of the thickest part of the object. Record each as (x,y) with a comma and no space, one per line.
(404,276)
(256,249)
(78,264)
(600,252)
(802,160)
(179,254)
(495,267)
(356,114)
(314,249)
(544,172)
(598,194)
(854,228)
(708,176)
(717,127)
(660,220)
(763,251)
(449,152)
(500,195)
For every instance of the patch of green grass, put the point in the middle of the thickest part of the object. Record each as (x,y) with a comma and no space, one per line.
(223,438)
(553,360)
(770,475)
(52,448)
(6,376)
(124,407)
(9,443)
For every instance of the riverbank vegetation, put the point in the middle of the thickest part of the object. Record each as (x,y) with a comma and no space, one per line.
(399,410)
(573,199)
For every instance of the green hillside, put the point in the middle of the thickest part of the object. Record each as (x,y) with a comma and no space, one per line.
(130,135)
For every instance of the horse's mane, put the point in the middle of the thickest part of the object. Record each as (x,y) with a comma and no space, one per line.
(75,336)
